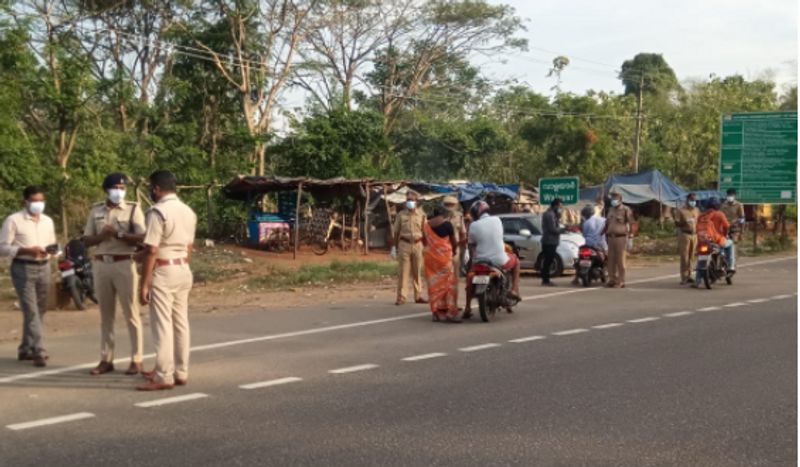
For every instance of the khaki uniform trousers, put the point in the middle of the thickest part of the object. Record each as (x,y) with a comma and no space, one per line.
(114,282)
(411,264)
(169,320)
(687,244)
(617,252)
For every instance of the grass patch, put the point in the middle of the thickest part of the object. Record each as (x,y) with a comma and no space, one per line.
(335,272)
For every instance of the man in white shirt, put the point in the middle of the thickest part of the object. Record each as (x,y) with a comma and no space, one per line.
(486,245)
(592,229)
(28,237)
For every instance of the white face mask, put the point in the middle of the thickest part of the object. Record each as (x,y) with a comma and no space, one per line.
(692,204)
(410,205)
(36,207)
(614,202)
(115,195)
(731,199)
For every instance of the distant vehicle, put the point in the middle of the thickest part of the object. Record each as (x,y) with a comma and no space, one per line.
(524,233)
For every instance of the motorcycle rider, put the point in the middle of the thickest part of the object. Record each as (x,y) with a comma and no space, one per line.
(734,211)
(713,226)
(592,227)
(486,245)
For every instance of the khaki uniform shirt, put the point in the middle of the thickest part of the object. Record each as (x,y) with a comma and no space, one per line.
(733,211)
(619,220)
(408,225)
(171,227)
(457,219)
(686,220)
(127,217)
(21,230)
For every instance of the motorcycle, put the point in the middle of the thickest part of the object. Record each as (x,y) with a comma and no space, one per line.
(591,266)
(76,274)
(491,287)
(711,264)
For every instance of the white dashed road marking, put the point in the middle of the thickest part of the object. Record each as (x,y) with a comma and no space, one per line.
(608,325)
(709,308)
(735,305)
(274,382)
(353,369)
(781,297)
(678,313)
(570,332)
(476,348)
(50,421)
(171,400)
(758,300)
(644,320)
(527,339)
(426,356)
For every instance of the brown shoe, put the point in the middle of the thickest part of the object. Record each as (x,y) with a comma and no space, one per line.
(420,300)
(153,386)
(400,301)
(134,369)
(102,368)
(181,382)
(148,375)
(39,361)
(24,357)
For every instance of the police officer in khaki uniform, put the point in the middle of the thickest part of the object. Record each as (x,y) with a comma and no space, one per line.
(457,219)
(619,228)
(734,211)
(115,227)
(167,281)
(408,246)
(686,222)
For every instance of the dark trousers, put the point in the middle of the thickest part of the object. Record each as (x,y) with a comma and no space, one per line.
(548,257)
(31,282)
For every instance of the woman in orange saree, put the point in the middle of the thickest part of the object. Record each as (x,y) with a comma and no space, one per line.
(440,245)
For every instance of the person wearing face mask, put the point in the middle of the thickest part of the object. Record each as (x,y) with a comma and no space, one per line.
(551,236)
(450,203)
(115,227)
(407,247)
(618,230)
(686,222)
(28,237)
(167,281)
(734,212)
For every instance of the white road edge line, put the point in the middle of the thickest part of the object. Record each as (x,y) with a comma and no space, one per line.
(709,308)
(758,300)
(171,400)
(678,313)
(50,421)
(273,382)
(735,305)
(353,369)
(608,325)
(644,320)
(305,332)
(426,356)
(570,332)
(527,339)
(475,348)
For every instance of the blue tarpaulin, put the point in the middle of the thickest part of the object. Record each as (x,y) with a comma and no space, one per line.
(469,191)
(639,188)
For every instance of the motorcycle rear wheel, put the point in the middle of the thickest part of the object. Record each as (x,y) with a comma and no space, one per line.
(585,279)
(486,311)
(707,278)
(78,294)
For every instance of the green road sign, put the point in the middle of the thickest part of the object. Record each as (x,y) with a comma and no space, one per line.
(758,156)
(565,188)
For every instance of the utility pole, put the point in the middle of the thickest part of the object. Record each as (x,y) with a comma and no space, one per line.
(638,137)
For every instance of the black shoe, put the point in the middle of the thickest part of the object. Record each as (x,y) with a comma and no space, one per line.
(39,360)
(548,284)
(24,356)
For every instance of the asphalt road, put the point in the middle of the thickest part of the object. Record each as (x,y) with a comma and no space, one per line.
(654,374)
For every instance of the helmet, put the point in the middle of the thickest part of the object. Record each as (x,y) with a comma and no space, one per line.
(714,203)
(478,209)
(587,211)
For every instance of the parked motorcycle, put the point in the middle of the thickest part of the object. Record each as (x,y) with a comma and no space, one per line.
(591,266)
(491,287)
(76,274)
(711,264)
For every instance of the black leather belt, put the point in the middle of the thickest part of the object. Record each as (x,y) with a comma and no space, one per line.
(30,261)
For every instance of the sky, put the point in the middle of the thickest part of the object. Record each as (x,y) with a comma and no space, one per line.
(697,38)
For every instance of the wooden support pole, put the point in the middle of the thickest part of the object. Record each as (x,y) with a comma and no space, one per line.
(388,212)
(297,220)
(366,223)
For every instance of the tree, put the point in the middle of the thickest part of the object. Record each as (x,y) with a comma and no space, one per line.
(649,73)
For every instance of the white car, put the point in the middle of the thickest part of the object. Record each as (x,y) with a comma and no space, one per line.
(524,233)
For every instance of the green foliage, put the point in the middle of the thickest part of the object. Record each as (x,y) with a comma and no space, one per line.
(651,73)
